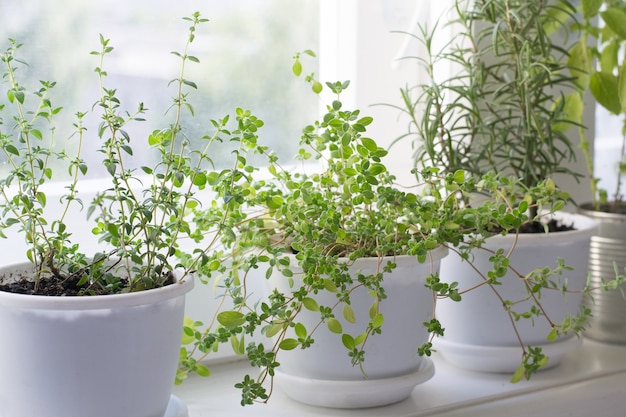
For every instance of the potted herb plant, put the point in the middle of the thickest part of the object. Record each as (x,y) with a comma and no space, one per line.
(597,61)
(506,107)
(93,334)
(351,262)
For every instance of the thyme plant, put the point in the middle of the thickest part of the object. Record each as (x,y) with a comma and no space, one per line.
(141,215)
(308,225)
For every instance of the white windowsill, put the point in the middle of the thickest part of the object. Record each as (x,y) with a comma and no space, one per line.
(589,381)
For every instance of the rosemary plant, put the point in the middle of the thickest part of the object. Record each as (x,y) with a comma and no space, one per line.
(504,108)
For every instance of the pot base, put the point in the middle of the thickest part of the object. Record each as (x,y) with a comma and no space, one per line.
(499,359)
(354,394)
(176,408)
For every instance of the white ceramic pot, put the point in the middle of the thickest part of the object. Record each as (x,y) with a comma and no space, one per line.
(479,334)
(322,375)
(92,356)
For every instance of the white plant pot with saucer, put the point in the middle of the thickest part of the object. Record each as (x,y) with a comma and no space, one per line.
(90,356)
(322,374)
(479,334)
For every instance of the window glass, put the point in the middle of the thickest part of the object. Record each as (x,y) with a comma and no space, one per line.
(245,53)
(608,140)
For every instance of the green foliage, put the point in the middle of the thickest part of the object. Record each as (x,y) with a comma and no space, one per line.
(512,95)
(141,218)
(599,65)
(508,101)
(309,225)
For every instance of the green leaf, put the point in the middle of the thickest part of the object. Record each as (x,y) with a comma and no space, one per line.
(370,144)
(450,225)
(41,198)
(330,286)
(348,314)
(188,335)
(111,168)
(349,171)
(296,68)
(518,374)
(155,138)
(317,87)
(12,149)
(591,8)
(377,169)
(552,336)
(572,111)
(365,121)
(275,202)
(199,179)
(190,84)
(112,229)
(288,344)
(557,16)
(579,65)
(231,318)
(214,265)
(373,310)
(238,345)
(360,338)
(615,19)
(300,330)
(621,86)
(608,57)
(273,330)
(378,321)
(459,176)
(334,325)
(348,341)
(310,304)
(202,370)
(604,87)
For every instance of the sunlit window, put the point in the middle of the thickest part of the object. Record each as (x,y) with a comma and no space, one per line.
(245,53)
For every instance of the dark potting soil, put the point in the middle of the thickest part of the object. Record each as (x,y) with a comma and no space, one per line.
(59,286)
(52,286)
(552,226)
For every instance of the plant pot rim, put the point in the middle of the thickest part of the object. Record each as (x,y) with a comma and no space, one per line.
(586,227)
(182,286)
(588,210)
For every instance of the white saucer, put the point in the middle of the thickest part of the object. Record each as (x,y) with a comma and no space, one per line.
(499,359)
(176,408)
(354,394)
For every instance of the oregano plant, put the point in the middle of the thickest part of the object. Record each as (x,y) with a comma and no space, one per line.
(307,225)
